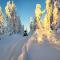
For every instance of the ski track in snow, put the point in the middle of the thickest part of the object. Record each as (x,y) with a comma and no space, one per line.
(11,48)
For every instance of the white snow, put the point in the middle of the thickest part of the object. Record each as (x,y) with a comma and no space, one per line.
(43,52)
(11,48)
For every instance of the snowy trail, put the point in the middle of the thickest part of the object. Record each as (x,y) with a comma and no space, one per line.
(10,47)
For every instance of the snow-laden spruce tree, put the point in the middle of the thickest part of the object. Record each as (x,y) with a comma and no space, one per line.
(55,14)
(14,24)
(31,26)
(1,22)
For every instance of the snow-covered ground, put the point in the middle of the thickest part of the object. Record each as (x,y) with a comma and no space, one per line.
(45,51)
(11,48)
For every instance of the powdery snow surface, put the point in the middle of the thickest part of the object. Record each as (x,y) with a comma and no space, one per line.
(45,51)
(11,48)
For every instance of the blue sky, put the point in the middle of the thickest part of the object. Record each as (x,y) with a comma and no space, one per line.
(25,9)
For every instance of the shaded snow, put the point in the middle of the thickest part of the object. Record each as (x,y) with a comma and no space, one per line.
(45,51)
(42,51)
(11,48)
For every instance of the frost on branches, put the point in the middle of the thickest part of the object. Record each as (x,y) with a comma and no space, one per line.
(14,23)
(1,22)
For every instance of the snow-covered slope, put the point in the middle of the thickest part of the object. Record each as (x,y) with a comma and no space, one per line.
(11,48)
(44,51)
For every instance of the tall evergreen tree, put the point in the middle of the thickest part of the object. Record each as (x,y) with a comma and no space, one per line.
(14,22)
(1,22)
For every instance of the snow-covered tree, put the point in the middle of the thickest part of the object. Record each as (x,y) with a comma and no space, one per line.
(1,22)
(14,23)
(31,25)
(37,22)
(38,14)
(48,16)
(55,14)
